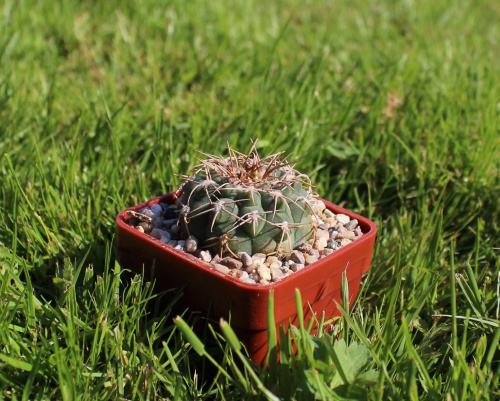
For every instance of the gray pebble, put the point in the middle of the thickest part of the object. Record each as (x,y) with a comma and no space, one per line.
(276,273)
(147,227)
(231,263)
(156,209)
(295,267)
(297,257)
(157,233)
(246,259)
(146,211)
(305,247)
(352,224)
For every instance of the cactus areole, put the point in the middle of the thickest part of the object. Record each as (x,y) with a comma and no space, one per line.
(244,203)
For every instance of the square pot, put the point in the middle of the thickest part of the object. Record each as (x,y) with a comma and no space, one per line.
(218,295)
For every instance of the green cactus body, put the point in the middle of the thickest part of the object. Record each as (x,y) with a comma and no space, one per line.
(247,204)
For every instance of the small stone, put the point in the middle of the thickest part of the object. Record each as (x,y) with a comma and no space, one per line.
(175,228)
(158,223)
(147,227)
(169,223)
(321,243)
(332,244)
(358,232)
(146,211)
(191,244)
(140,229)
(158,233)
(231,263)
(328,214)
(273,259)
(216,258)
(156,209)
(248,281)
(331,221)
(318,207)
(315,253)
(295,267)
(181,242)
(221,268)
(346,234)
(180,248)
(342,230)
(164,239)
(327,251)
(246,259)
(262,281)
(333,234)
(297,257)
(264,272)
(172,243)
(322,233)
(259,258)
(352,224)
(203,255)
(238,273)
(345,242)
(254,276)
(305,247)
(275,265)
(343,219)
(276,273)
(310,259)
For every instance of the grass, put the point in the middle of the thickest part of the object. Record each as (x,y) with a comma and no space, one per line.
(391,107)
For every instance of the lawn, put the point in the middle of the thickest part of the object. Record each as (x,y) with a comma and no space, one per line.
(391,107)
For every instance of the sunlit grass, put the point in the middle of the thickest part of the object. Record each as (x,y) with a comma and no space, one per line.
(393,110)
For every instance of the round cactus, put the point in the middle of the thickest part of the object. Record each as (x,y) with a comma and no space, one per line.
(243,203)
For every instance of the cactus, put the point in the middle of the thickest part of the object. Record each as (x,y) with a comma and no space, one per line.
(243,203)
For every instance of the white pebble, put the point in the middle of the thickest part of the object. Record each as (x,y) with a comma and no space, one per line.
(264,272)
(345,242)
(328,213)
(343,219)
(321,243)
(191,244)
(204,255)
(181,242)
(165,239)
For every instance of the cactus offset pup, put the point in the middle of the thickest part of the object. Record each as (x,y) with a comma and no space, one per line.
(244,203)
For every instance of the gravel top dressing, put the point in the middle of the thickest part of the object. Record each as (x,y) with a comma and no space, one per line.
(332,232)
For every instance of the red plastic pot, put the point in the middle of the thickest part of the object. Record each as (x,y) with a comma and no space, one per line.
(215,294)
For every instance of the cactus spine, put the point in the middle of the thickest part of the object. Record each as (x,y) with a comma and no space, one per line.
(244,203)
